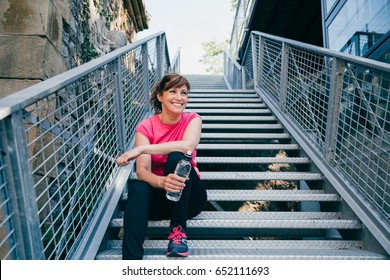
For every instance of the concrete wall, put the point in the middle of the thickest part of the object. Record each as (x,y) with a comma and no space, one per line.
(42,38)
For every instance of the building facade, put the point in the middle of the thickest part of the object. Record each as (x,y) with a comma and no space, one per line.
(358,27)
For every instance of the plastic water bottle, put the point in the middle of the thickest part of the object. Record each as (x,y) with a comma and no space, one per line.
(183,169)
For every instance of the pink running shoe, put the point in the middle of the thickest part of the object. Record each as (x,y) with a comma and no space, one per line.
(177,246)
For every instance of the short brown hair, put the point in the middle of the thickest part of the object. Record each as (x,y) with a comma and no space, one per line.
(167,82)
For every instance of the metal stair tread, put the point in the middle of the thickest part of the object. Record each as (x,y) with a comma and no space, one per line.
(229,111)
(241,126)
(271,195)
(268,195)
(225,105)
(252,160)
(247,223)
(253,244)
(252,147)
(244,175)
(231,95)
(252,254)
(193,99)
(205,135)
(239,118)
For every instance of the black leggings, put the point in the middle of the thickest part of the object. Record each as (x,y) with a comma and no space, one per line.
(145,202)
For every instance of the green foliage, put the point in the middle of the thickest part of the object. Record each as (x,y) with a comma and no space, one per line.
(213,55)
(234,5)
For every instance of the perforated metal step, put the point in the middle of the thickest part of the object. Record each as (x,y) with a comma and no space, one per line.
(224,136)
(229,111)
(242,126)
(251,147)
(224,100)
(253,254)
(238,118)
(244,223)
(252,160)
(271,195)
(260,176)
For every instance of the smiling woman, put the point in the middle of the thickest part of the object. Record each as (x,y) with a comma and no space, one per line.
(161,142)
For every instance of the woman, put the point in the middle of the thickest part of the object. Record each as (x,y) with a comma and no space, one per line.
(161,142)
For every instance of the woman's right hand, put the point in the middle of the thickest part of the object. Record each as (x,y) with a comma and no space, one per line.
(126,157)
(172,183)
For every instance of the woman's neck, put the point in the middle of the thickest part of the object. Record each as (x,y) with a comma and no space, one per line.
(169,119)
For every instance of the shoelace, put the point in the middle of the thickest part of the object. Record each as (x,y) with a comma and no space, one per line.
(176,234)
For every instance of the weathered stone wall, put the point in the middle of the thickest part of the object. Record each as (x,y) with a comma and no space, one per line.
(42,38)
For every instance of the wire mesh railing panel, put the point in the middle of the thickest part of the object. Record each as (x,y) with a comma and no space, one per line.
(271,55)
(305,97)
(8,239)
(248,67)
(135,97)
(153,54)
(340,105)
(363,135)
(72,128)
(72,143)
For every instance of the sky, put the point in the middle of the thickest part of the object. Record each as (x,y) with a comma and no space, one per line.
(188,23)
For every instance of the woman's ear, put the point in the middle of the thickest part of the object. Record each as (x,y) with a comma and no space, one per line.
(159,96)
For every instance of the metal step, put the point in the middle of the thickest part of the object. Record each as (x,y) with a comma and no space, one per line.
(239,136)
(242,126)
(239,118)
(229,111)
(271,195)
(242,223)
(225,105)
(238,253)
(250,147)
(252,160)
(213,95)
(260,176)
(267,195)
(238,99)
(253,244)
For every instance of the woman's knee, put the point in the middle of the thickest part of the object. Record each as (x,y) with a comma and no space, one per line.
(172,160)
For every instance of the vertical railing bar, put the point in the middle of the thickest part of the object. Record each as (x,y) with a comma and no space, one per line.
(119,107)
(336,86)
(145,67)
(23,183)
(254,60)
(261,61)
(283,78)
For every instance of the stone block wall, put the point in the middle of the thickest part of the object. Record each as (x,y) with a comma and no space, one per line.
(42,38)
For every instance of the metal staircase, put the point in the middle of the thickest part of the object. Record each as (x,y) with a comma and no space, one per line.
(266,198)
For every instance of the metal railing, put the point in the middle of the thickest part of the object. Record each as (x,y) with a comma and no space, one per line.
(242,17)
(337,107)
(59,141)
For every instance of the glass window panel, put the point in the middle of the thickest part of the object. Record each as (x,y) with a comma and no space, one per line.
(359,25)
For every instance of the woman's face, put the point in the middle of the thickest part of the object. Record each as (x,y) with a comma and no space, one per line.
(174,100)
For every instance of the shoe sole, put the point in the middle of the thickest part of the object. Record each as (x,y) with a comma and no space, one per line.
(176,254)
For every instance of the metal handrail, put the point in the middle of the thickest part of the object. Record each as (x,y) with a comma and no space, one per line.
(337,108)
(59,182)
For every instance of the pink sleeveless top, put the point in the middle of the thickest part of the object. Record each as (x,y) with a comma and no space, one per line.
(157,132)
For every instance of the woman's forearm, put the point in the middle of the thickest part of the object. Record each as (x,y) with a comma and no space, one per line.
(166,148)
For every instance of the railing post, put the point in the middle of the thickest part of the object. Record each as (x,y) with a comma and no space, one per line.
(336,85)
(160,50)
(22,183)
(145,68)
(254,61)
(283,76)
(119,107)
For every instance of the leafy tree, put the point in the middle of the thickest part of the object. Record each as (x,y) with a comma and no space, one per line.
(213,55)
